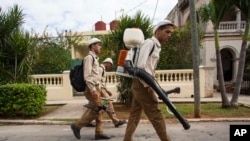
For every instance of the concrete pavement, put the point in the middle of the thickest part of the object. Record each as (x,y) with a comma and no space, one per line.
(54,126)
(200,131)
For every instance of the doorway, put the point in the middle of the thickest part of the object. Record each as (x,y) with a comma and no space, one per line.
(227,64)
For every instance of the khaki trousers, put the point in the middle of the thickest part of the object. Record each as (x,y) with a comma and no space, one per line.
(90,114)
(147,102)
(110,107)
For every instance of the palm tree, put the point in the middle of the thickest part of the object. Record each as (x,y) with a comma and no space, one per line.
(244,6)
(16,47)
(215,11)
(139,20)
(22,51)
(10,20)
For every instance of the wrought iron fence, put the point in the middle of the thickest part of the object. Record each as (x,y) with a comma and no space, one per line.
(245,85)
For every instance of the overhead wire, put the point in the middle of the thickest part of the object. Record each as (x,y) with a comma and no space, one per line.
(140,4)
(155,10)
(137,6)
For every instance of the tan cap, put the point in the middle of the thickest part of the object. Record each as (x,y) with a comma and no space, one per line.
(108,60)
(93,41)
(161,23)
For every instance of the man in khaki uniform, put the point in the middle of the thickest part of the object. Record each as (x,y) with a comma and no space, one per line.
(144,98)
(92,91)
(105,93)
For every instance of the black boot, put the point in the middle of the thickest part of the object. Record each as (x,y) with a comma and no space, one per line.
(121,122)
(75,131)
(101,137)
(90,125)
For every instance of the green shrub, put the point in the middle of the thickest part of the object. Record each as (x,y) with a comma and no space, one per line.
(21,100)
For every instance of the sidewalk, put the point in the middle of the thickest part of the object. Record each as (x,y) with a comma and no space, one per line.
(73,109)
(55,126)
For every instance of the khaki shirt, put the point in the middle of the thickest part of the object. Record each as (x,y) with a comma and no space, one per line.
(146,62)
(91,71)
(102,76)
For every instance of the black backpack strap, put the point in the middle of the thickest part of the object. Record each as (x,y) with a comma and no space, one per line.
(102,70)
(92,58)
(152,50)
(152,47)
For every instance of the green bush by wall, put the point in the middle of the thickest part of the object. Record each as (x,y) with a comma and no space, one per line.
(18,100)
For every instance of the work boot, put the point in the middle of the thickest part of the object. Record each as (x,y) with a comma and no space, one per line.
(101,137)
(121,122)
(75,131)
(90,125)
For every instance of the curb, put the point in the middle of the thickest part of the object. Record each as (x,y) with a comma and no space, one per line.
(33,122)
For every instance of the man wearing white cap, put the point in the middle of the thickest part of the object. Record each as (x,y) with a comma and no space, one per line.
(144,98)
(107,65)
(92,91)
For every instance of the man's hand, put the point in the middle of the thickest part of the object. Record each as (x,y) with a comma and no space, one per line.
(150,90)
(94,94)
(109,93)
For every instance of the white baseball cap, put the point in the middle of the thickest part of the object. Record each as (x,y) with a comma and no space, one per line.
(93,41)
(161,23)
(108,60)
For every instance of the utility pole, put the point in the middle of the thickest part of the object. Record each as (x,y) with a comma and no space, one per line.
(196,59)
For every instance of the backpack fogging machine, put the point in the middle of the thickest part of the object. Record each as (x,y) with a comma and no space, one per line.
(127,60)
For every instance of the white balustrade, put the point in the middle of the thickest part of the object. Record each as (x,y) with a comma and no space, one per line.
(111,78)
(57,85)
(48,79)
(231,26)
(170,76)
(162,76)
(59,88)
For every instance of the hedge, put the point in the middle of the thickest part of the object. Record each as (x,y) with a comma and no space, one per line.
(22,100)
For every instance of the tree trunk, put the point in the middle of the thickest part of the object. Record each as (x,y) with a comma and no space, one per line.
(196,59)
(241,66)
(224,98)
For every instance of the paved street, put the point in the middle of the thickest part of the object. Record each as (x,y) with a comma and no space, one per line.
(48,129)
(199,131)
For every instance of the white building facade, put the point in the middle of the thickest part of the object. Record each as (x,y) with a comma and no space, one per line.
(230,40)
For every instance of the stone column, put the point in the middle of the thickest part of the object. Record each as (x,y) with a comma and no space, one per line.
(206,81)
(238,18)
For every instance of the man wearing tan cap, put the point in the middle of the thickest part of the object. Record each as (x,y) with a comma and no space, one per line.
(144,98)
(92,91)
(105,93)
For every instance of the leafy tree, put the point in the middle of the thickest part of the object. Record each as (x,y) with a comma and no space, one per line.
(177,52)
(54,54)
(51,60)
(109,48)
